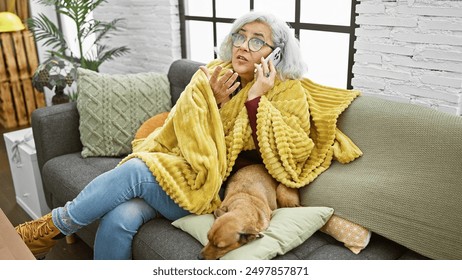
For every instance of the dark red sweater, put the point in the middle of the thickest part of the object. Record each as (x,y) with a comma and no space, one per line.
(250,157)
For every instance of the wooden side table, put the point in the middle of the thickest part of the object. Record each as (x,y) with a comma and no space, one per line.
(11,245)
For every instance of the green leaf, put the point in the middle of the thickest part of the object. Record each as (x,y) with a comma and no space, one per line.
(45,30)
(86,29)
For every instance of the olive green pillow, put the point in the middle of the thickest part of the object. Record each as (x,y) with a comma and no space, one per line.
(289,227)
(113,106)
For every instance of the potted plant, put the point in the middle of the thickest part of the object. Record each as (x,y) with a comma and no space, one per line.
(90,32)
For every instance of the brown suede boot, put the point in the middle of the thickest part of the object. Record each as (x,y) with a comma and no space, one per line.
(39,235)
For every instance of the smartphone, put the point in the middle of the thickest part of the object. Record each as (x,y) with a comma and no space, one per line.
(275,56)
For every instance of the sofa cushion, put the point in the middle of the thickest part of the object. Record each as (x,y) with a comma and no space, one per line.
(158,239)
(65,176)
(112,107)
(289,227)
(406,186)
(150,125)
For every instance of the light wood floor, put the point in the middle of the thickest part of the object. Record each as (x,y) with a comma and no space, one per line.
(16,215)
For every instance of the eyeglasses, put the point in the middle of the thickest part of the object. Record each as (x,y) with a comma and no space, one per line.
(255,44)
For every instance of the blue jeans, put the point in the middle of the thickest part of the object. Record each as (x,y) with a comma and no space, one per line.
(124,198)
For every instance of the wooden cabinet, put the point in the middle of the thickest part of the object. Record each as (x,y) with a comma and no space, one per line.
(18,61)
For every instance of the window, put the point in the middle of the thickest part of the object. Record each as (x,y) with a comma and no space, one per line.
(326,34)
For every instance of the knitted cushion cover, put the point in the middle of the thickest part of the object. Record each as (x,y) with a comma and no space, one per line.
(113,106)
(289,227)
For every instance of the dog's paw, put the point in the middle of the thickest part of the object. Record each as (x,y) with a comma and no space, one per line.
(220,211)
(287,203)
(287,197)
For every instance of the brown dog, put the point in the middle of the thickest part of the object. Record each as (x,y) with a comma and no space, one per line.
(251,195)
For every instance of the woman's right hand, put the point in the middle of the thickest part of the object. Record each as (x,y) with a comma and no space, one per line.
(265,75)
(223,87)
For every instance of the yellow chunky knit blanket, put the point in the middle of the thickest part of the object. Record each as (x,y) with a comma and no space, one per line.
(195,150)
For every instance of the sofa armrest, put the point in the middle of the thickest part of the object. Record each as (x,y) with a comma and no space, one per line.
(56,131)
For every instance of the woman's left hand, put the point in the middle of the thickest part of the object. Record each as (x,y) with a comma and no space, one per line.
(222,87)
(265,76)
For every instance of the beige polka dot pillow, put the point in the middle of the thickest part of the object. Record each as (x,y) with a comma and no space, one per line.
(353,236)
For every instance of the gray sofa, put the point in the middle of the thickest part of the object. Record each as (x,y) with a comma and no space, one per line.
(387,132)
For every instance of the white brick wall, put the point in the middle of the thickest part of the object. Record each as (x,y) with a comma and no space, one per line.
(410,51)
(406,50)
(151,30)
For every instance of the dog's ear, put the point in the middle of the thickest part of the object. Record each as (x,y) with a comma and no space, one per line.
(245,238)
(220,211)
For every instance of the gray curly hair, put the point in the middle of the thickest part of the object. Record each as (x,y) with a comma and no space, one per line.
(292,65)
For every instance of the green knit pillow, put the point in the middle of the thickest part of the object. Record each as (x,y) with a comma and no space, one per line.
(289,227)
(112,107)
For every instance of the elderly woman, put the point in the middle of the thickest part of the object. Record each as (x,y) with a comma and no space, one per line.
(236,111)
